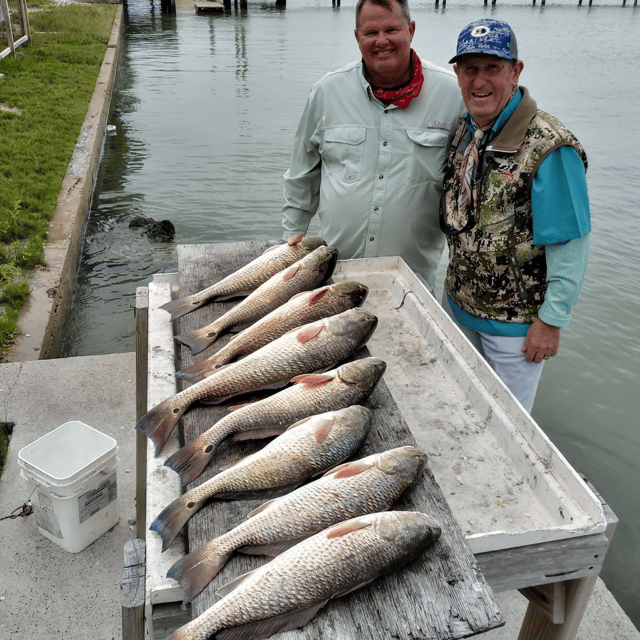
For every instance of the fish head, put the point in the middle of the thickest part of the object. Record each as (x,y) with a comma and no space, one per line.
(364,373)
(404,462)
(411,531)
(355,292)
(356,324)
(308,243)
(324,260)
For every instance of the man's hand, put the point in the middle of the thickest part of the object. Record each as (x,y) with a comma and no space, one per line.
(541,342)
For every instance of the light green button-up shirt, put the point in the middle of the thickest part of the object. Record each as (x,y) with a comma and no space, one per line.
(373,174)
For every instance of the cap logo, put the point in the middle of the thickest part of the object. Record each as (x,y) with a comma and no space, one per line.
(480,31)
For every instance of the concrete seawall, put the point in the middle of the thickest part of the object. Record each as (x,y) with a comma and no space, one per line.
(43,319)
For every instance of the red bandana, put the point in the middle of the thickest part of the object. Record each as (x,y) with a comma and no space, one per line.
(403,96)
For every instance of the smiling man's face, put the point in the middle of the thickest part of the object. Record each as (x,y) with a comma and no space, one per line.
(384,37)
(487,83)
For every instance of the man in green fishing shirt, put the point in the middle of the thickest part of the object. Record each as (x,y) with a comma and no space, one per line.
(515,209)
(371,147)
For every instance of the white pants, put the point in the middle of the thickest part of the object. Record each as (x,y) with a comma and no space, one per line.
(506,358)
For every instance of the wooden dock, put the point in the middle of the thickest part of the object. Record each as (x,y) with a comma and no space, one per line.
(555,561)
(208,6)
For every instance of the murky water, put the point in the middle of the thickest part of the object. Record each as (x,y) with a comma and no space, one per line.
(205,108)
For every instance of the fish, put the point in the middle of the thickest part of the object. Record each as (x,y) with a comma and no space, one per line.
(311,348)
(350,383)
(288,591)
(306,449)
(307,273)
(301,309)
(249,277)
(352,489)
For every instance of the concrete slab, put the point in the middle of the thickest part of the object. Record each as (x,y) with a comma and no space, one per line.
(46,592)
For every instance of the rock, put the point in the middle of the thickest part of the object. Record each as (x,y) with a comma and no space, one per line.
(163,230)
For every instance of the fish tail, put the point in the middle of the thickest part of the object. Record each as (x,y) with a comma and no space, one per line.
(199,339)
(198,568)
(158,423)
(181,306)
(172,518)
(190,461)
(199,370)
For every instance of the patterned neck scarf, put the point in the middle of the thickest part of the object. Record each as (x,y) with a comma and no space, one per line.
(468,193)
(402,96)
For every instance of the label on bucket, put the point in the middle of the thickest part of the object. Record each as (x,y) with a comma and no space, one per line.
(91,502)
(45,517)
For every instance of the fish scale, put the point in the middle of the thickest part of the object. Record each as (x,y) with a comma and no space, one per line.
(303,451)
(249,277)
(355,488)
(350,383)
(308,272)
(300,309)
(288,591)
(313,347)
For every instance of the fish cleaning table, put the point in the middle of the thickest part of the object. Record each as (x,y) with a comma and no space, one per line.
(514,514)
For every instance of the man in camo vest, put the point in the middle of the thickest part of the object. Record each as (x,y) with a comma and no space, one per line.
(515,210)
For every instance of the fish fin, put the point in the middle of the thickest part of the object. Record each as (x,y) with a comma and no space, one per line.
(318,295)
(172,518)
(190,461)
(300,422)
(271,550)
(256,434)
(313,379)
(199,339)
(348,469)
(294,240)
(269,626)
(237,329)
(198,568)
(198,371)
(306,335)
(158,423)
(343,528)
(290,272)
(323,428)
(261,508)
(234,294)
(235,407)
(181,306)
(228,587)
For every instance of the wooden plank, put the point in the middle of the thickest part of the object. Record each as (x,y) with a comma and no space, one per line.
(142,354)
(443,593)
(133,590)
(547,562)
(205,5)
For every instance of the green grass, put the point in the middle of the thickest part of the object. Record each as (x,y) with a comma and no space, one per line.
(5,433)
(44,95)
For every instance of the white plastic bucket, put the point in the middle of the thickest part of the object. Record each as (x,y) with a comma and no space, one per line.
(71,474)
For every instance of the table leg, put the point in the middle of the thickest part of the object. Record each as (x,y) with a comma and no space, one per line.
(537,624)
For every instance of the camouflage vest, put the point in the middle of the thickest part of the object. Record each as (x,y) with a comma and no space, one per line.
(495,271)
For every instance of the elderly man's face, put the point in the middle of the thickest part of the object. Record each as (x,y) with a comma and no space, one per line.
(384,37)
(487,83)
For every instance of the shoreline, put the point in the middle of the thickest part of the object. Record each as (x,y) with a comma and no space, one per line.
(43,318)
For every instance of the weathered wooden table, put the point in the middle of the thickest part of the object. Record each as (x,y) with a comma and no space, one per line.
(525,514)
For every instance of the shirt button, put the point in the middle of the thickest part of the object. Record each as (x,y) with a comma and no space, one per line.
(380,176)
(375,208)
(371,239)
(384,144)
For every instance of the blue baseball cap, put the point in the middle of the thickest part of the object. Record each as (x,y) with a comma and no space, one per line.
(491,37)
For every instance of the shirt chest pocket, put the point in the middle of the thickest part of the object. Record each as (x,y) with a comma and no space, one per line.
(343,151)
(427,156)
